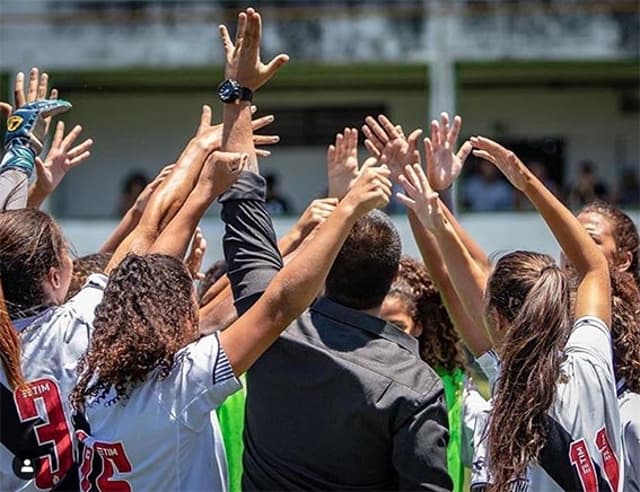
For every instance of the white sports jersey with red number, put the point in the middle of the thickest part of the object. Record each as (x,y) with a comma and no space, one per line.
(584,449)
(36,438)
(630,418)
(163,435)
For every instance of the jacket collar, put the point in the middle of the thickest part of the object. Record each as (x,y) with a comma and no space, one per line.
(363,321)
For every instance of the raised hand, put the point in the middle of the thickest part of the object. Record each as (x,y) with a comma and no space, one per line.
(193,261)
(387,142)
(372,188)
(62,157)
(421,198)
(37,89)
(505,160)
(243,57)
(256,125)
(221,170)
(143,198)
(342,162)
(210,135)
(316,213)
(443,165)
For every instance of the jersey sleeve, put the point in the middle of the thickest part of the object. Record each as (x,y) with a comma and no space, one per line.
(474,406)
(490,365)
(83,304)
(590,338)
(631,437)
(201,380)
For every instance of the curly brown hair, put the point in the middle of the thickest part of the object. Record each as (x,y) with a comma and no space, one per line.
(531,294)
(625,329)
(147,314)
(31,243)
(440,345)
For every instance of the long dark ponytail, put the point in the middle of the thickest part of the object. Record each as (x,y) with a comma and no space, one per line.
(531,294)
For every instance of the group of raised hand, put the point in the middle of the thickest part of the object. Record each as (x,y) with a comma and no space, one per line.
(388,146)
(393,156)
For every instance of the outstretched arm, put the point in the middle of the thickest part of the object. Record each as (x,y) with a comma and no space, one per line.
(471,329)
(443,167)
(219,172)
(462,271)
(594,292)
(316,213)
(131,219)
(298,283)
(172,193)
(23,136)
(61,158)
(250,246)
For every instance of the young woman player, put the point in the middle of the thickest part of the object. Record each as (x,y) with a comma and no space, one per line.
(553,377)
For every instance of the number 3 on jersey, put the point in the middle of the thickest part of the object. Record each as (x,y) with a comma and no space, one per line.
(100,462)
(40,399)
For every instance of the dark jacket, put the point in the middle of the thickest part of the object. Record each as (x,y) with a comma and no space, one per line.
(342,400)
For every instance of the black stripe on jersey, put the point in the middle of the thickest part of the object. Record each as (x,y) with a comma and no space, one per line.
(555,460)
(20,439)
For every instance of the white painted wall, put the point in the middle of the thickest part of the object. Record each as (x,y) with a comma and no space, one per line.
(590,120)
(496,233)
(146,131)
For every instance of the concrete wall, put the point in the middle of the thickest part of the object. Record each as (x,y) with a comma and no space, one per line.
(496,233)
(68,34)
(146,131)
(590,120)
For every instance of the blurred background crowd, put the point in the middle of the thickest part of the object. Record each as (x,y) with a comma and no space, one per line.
(557,81)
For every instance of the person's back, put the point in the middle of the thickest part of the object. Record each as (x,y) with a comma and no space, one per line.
(36,451)
(162,433)
(51,344)
(342,401)
(629,417)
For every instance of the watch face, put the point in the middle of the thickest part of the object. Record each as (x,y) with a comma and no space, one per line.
(228,90)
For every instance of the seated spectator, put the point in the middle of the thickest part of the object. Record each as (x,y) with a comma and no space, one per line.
(276,203)
(132,186)
(486,191)
(587,187)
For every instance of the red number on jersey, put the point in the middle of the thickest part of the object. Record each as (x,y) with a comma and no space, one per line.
(609,459)
(107,458)
(579,454)
(50,469)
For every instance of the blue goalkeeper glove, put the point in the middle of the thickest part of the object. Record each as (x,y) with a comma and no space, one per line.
(24,139)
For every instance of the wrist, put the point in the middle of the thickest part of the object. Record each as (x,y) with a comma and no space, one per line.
(36,196)
(348,209)
(440,227)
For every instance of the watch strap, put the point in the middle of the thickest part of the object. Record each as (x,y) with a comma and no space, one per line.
(246,94)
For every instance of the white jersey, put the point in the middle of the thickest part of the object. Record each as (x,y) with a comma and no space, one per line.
(630,419)
(36,449)
(584,449)
(163,435)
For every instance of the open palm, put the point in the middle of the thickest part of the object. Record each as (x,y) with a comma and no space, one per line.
(443,163)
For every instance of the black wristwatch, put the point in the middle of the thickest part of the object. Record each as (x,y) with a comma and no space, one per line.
(230,91)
